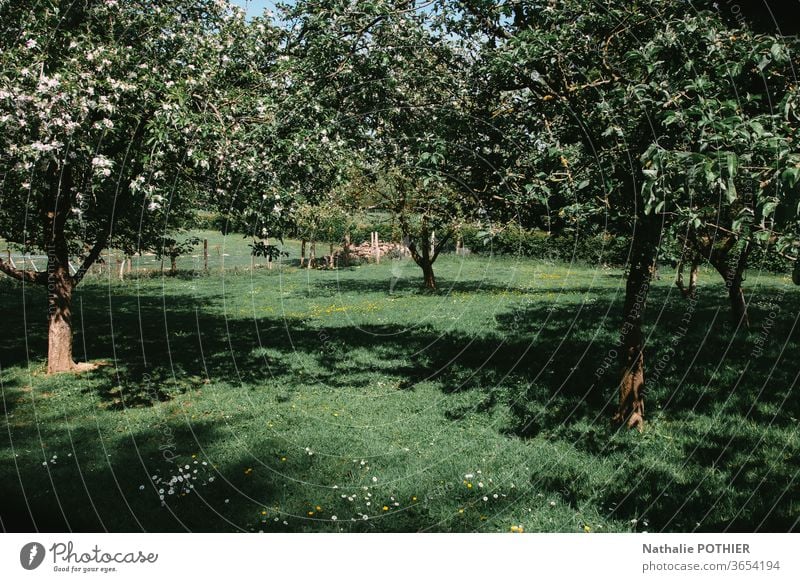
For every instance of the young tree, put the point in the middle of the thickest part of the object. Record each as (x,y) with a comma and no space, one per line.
(429,214)
(393,88)
(171,248)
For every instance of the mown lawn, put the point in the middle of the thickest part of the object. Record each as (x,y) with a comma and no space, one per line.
(295,400)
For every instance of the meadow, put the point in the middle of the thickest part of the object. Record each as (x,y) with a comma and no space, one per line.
(349,400)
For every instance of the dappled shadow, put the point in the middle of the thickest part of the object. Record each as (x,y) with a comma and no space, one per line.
(409,285)
(695,357)
(560,357)
(119,486)
(180,342)
(547,365)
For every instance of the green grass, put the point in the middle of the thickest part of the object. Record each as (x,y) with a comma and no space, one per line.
(302,395)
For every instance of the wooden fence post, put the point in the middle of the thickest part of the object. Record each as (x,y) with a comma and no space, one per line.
(376,251)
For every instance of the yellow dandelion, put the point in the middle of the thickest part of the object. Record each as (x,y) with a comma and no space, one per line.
(469,485)
(283,459)
(318,508)
(586,528)
(263,513)
(413,498)
(386,508)
(310,513)
(461,510)
(248,470)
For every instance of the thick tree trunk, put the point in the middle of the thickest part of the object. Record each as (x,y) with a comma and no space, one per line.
(631,391)
(59,310)
(173,265)
(330,258)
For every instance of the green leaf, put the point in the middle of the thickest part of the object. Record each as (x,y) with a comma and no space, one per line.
(733,164)
(790,177)
(768,209)
(730,191)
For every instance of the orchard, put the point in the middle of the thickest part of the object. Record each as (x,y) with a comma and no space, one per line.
(391,265)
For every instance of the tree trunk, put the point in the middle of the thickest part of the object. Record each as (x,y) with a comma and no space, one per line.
(693,277)
(735,292)
(733,276)
(330,264)
(302,253)
(173,265)
(59,310)
(427,272)
(425,261)
(346,250)
(689,292)
(312,255)
(631,391)
(738,303)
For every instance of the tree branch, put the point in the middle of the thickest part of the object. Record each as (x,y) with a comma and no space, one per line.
(38,278)
(90,259)
(439,246)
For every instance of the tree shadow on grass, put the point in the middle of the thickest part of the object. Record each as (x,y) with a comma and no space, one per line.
(408,285)
(723,411)
(720,452)
(119,486)
(564,352)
